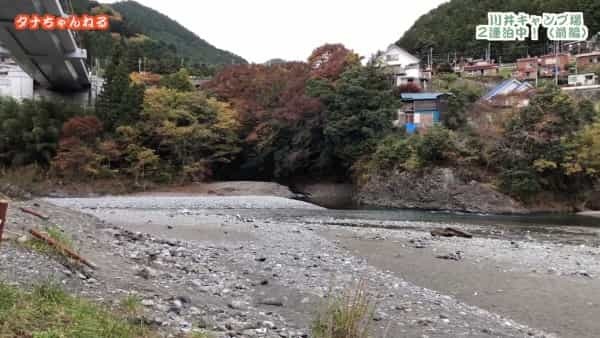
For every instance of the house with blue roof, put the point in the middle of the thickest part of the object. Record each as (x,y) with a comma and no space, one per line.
(421,110)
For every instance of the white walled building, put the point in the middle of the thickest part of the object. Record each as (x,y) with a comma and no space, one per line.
(14,82)
(405,67)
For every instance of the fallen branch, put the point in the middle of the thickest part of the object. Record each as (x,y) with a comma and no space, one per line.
(34,213)
(68,252)
(451,256)
(450,232)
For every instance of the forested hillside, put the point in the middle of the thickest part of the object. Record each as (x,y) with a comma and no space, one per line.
(161,28)
(146,34)
(451,27)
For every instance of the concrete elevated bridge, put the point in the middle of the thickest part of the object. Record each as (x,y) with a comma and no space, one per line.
(52,58)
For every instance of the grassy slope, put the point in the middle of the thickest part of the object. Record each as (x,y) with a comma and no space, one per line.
(48,312)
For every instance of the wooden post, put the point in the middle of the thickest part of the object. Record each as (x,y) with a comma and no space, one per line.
(3,208)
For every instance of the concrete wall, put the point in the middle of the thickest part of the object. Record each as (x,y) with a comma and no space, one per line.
(14,82)
(585,92)
(85,98)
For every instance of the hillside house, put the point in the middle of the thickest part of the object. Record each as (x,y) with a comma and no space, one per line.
(421,110)
(551,63)
(404,67)
(478,68)
(581,47)
(588,79)
(527,68)
(588,59)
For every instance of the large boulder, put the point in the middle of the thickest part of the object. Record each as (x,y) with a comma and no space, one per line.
(327,194)
(593,202)
(434,189)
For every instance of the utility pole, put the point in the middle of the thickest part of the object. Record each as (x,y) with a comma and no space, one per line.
(556,63)
(431,59)
(139,65)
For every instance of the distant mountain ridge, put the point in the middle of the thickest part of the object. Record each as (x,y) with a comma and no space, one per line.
(160,27)
(450,27)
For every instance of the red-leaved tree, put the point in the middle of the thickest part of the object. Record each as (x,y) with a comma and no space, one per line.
(331,60)
(77,154)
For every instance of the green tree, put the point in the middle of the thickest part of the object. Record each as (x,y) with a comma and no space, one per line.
(583,156)
(29,131)
(120,100)
(192,134)
(179,81)
(534,150)
(392,152)
(435,145)
(143,162)
(456,116)
(359,109)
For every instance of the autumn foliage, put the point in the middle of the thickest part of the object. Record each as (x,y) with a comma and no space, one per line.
(274,121)
(83,127)
(291,112)
(330,60)
(263,93)
(77,153)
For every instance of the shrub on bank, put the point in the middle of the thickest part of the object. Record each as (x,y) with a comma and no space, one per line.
(434,146)
(345,316)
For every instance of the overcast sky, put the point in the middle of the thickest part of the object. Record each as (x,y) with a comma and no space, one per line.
(260,30)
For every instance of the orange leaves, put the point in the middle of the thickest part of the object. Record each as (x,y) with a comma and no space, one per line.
(260,93)
(83,127)
(77,154)
(330,60)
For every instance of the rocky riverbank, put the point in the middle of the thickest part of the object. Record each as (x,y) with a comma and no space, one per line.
(435,189)
(224,266)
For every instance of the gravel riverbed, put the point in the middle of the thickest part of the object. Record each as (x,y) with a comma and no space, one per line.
(206,263)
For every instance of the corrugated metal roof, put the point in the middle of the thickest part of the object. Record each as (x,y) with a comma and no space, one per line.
(501,87)
(421,96)
(507,87)
(525,86)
